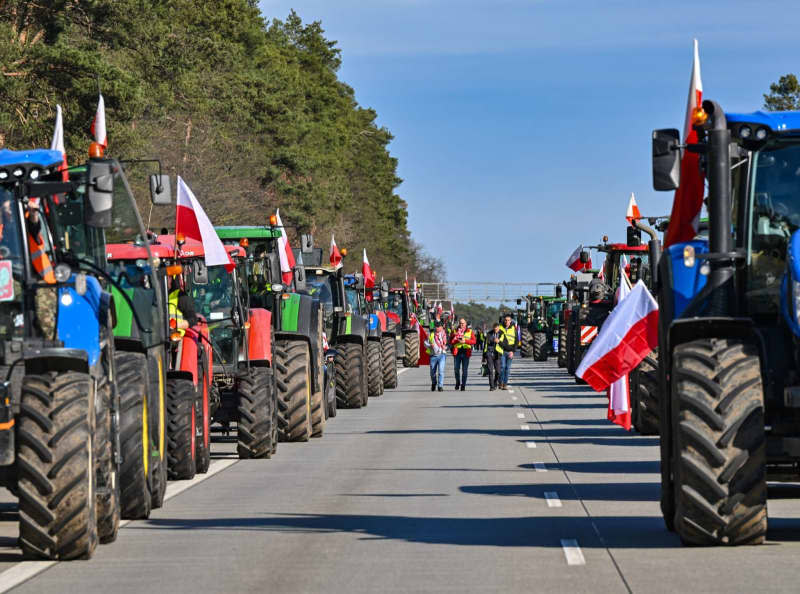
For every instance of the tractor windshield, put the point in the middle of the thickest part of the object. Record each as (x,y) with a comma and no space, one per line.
(774,213)
(395,305)
(320,287)
(214,300)
(353,304)
(11,267)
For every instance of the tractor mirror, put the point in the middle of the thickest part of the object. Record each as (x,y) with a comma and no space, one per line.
(634,237)
(584,257)
(100,194)
(199,272)
(160,189)
(307,243)
(666,159)
(300,278)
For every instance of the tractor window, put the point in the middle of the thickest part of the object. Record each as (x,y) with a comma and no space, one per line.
(214,300)
(395,305)
(353,305)
(774,205)
(11,267)
(135,279)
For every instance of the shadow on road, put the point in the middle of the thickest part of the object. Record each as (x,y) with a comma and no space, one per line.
(600,467)
(586,491)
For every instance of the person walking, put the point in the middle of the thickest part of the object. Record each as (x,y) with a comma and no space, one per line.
(463,340)
(492,354)
(508,343)
(437,349)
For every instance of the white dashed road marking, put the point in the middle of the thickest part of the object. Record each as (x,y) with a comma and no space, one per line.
(572,552)
(513,398)
(520,416)
(530,444)
(552,499)
(525,427)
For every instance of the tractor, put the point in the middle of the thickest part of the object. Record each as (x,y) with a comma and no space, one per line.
(356,295)
(729,327)
(578,325)
(244,390)
(538,324)
(388,324)
(297,326)
(401,304)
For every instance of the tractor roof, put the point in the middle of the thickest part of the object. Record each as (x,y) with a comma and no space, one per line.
(192,248)
(129,251)
(777,121)
(39,157)
(248,231)
(624,247)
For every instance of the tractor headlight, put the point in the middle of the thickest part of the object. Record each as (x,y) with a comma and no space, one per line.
(18,172)
(3,174)
(761,133)
(66,299)
(34,174)
(745,132)
(688,256)
(277,287)
(62,272)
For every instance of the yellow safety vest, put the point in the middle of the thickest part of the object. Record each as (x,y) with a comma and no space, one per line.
(175,313)
(510,335)
(464,345)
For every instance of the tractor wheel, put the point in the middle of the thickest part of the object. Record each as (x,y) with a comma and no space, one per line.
(293,367)
(318,408)
(526,347)
(562,346)
(540,346)
(570,354)
(374,368)
(181,429)
(132,382)
(720,443)
(57,500)
(256,400)
(411,347)
(389,348)
(108,492)
(644,395)
(349,364)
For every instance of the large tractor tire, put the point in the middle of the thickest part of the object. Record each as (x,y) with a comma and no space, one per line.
(292,361)
(181,429)
(57,500)
(719,463)
(540,347)
(374,368)
(350,364)
(411,347)
(108,490)
(318,408)
(526,346)
(645,394)
(562,346)
(202,455)
(132,382)
(571,365)
(389,348)
(256,402)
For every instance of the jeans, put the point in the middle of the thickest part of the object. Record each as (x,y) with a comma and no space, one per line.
(437,367)
(461,364)
(493,362)
(505,368)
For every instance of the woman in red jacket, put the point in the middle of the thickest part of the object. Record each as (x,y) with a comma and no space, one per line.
(463,339)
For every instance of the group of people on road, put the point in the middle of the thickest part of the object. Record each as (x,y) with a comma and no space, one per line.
(497,347)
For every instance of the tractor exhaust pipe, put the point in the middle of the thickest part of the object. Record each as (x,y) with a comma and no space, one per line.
(654,248)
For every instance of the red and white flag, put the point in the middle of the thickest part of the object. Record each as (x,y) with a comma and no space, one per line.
(285,253)
(619,394)
(98,128)
(191,221)
(57,143)
(633,210)
(688,201)
(629,333)
(335,255)
(369,275)
(574,260)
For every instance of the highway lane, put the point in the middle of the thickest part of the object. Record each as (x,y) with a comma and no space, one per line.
(527,490)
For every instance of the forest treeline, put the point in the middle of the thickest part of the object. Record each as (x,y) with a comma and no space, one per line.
(249,111)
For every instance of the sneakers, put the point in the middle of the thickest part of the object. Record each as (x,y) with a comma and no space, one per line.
(492,388)
(441,389)
(463,388)
(433,387)
(457,385)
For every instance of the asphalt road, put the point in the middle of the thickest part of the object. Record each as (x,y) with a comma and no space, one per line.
(527,490)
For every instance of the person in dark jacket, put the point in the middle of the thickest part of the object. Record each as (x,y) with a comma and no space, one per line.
(492,355)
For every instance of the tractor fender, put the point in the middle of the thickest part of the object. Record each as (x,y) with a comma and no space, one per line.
(687,329)
(258,339)
(47,359)
(81,315)
(189,353)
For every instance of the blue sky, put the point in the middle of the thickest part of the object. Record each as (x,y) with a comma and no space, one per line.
(522,126)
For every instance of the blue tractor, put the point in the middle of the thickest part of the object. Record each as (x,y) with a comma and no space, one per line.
(729,330)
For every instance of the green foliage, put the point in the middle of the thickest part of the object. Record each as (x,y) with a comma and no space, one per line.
(478,314)
(249,112)
(784,95)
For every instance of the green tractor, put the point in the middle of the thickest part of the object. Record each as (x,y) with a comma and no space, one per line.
(297,323)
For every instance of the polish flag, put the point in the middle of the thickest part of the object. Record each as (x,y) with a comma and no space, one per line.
(633,210)
(688,201)
(619,394)
(335,255)
(629,333)
(98,128)
(57,144)
(574,260)
(285,252)
(192,222)
(369,276)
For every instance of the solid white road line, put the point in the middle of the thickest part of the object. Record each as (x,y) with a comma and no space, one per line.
(520,416)
(552,499)
(530,444)
(539,467)
(572,552)
(25,570)
(525,427)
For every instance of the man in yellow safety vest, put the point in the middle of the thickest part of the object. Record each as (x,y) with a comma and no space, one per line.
(462,341)
(507,345)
